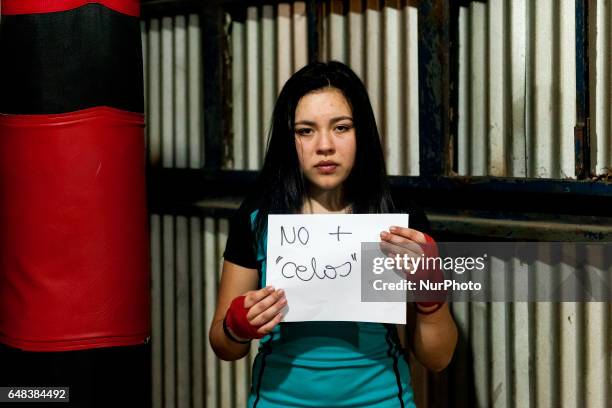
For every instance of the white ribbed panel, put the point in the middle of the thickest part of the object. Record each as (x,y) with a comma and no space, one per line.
(225,373)
(152,69)
(564,89)
(570,341)
(517,132)
(172,58)
(411,90)
(186,262)
(253,88)
(356,24)
(598,322)
(522,382)
(392,49)
(285,44)
(517,88)
(168,284)
(479,336)
(358,31)
(157,364)
(167,96)
(266,48)
(180,92)
(268,74)
(533,354)
(603,86)
(500,341)
(336,31)
(544,68)
(300,35)
(210,296)
(477,99)
(198,330)
(464,98)
(496,138)
(373,71)
(546,340)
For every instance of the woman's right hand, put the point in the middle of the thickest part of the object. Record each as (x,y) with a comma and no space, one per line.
(265,306)
(256,313)
(258,310)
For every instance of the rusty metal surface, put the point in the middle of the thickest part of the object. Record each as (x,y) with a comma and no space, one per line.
(434,87)
(582,131)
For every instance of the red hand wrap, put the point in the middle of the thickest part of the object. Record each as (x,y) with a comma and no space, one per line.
(434,274)
(237,322)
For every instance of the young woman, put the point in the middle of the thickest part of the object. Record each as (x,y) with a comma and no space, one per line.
(324,156)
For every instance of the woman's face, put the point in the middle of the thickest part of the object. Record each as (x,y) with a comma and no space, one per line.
(325,138)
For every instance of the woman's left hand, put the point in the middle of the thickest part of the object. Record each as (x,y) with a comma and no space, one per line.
(402,241)
(410,245)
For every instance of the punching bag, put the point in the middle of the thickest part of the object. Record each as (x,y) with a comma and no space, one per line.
(74,280)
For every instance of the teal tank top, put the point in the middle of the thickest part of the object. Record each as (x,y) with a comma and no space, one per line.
(328,364)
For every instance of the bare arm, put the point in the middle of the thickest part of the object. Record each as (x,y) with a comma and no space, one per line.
(432,337)
(264,309)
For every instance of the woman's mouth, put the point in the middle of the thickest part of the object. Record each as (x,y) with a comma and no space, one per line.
(326,167)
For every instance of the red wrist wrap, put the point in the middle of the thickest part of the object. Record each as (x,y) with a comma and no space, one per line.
(237,322)
(434,274)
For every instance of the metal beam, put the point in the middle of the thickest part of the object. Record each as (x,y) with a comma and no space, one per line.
(313,31)
(434,88)
(217,111)
(490,196)
(582,133)
(165,8)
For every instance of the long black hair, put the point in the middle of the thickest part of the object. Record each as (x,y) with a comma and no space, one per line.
(282,187)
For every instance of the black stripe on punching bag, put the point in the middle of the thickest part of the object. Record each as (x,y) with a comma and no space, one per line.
(70,60)
(98,378)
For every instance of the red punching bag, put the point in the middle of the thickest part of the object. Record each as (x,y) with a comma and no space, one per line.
(73,220)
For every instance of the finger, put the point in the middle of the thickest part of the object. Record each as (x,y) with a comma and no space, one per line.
(254,296)
(395,238)
(268,314)
(387,248)
(410,233)
(392,249)
(264,304)
(268,327)
(400,245)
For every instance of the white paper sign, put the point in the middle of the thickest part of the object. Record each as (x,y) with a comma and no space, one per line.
(316,259)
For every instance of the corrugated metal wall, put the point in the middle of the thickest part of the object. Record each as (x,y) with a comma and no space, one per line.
(186,255)
(173,90)
(517,88)
(603,85)
(532,354)
(520,354)
(378,40)
(517,111)
(268,44)
(186,252)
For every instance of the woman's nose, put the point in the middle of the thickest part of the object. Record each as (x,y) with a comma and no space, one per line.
(325,143)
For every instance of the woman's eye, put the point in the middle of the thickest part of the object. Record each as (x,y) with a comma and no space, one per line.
(304,131)
(343,128)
